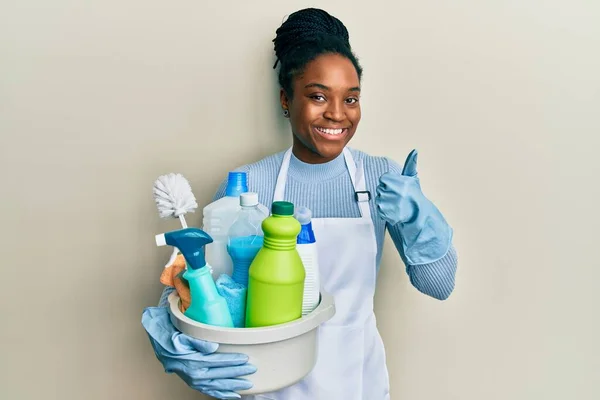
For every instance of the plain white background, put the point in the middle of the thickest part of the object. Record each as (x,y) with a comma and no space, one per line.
(502,99)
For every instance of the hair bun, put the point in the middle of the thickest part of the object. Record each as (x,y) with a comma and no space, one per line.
(310,24)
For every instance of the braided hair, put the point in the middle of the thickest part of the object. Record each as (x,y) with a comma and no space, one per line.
(304,36)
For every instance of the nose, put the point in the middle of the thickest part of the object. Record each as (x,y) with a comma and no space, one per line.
(334,112)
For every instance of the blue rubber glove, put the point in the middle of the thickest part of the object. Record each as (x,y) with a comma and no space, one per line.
(195,361)
(426,237)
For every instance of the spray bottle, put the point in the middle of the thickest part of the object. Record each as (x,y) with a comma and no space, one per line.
(207,305)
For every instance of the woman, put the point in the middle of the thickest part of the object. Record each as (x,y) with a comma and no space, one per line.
(354,198)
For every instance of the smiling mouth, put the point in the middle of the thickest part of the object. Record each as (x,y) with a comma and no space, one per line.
(329,133)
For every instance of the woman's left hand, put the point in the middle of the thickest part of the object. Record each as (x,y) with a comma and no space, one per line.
(425,234)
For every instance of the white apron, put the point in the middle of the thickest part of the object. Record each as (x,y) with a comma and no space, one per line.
(351,362)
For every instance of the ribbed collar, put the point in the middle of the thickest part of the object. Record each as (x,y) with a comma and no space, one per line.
(304,172)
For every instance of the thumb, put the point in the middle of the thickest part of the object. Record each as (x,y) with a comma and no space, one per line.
(410,165)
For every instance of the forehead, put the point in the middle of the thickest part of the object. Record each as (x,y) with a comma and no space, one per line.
(332,70)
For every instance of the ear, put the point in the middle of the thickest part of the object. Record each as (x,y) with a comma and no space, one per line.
(283,98)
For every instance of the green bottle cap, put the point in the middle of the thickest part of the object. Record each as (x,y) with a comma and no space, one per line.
(282,208)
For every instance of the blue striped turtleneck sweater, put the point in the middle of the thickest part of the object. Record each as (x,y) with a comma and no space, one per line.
(326,189)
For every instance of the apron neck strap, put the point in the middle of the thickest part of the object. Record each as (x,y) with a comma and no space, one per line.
(357,176)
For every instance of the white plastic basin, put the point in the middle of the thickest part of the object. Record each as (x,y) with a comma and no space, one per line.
(283,354)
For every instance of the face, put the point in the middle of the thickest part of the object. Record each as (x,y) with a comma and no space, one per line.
(324,111)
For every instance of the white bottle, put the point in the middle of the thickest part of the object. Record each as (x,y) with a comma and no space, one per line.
(245,236)
(307,249)
(218,217)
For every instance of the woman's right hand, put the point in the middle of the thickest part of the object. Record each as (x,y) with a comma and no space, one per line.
(194,360)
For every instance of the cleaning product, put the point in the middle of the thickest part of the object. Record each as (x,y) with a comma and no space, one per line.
(217,219)
(206,305)
(245,236)
(307,248)
(276,276)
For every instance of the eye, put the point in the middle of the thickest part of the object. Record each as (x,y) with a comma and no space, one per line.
(318,97)
(351,100)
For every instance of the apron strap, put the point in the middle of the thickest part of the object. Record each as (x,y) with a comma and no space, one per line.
(282,177)
(357,176)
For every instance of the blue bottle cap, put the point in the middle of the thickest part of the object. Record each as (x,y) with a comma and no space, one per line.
(237,183)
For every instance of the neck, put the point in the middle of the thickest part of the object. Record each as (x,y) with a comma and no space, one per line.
(304,154)
(304,172)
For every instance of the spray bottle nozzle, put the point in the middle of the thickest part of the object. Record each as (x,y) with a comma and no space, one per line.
(190,242)
(161,240)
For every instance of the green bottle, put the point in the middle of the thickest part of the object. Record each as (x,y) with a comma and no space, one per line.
(276,275)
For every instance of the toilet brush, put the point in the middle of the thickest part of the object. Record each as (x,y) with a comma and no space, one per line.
(174,198)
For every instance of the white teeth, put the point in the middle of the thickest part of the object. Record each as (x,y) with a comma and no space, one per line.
(331,131)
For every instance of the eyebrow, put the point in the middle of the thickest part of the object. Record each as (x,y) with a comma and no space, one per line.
(321,86)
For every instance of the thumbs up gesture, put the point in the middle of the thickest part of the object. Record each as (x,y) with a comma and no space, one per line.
(399,196)
(426,236)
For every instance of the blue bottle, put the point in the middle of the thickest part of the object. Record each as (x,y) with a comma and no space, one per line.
(207,305)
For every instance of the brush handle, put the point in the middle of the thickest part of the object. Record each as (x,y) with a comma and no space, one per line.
(182,220)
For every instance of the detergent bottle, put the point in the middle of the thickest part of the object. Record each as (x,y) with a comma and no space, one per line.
(276,276)
(245,237)
(207,305)
(307,248)
(217,219)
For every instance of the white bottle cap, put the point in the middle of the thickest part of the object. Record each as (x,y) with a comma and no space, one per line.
(303,215)
(248,199)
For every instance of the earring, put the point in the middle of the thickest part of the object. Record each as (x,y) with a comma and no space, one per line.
(286,113)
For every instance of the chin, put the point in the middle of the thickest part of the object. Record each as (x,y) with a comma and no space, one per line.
(330,150)
(321,149)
